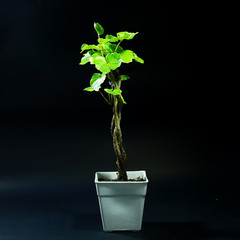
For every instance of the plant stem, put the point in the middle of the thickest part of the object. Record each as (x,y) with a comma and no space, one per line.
(117,140)
(117,46)
(117,137)
(104,97)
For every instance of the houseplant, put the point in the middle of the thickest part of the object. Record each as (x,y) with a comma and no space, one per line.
(108,56)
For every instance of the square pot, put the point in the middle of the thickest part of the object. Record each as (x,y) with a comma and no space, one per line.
(121,203)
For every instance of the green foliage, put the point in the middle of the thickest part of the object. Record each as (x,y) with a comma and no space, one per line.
(99,29)
(127,56)
(113,92)
(101,64)
(112,38)
(114,60)
(126,35)
(89,47)
(89,89)
(103,40)
(123,100)
(109,47)
(93,56)
(124,77)
(107,56)
(96,80)
(138,59)
(87,57)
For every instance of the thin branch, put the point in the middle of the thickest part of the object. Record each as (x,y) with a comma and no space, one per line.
(117,45)
(104,98)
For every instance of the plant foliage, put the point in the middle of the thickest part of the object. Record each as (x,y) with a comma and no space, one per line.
(107,56)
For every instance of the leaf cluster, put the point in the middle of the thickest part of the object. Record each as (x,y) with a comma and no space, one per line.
(107,56)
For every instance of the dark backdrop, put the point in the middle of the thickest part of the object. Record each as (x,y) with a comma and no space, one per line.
(187,79)
(181,118)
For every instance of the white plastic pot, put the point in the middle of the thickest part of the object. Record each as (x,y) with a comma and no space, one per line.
(121,203)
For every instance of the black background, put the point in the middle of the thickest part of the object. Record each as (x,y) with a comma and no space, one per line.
(180,123)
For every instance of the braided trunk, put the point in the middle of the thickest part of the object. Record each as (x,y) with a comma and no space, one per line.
(117,139)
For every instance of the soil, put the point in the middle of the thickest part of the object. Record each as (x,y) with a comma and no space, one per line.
(139,179)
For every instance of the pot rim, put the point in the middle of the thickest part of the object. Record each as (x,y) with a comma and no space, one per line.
(142,173)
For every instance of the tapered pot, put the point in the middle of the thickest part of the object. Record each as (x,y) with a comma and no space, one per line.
(121,203)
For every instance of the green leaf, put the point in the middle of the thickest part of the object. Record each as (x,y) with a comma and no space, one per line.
(104,68)
(101,64)
(127,56)
(123,100)
(108,90)
(99,29)
(113,92)
(96,80)
(124,77)
(114,60)
(89,47)
(93,56)
(95,77)
(85,59)
(138,59)
(109,47)
(112,38)
(103,40)
(119,49)
(83,45)
(131,35)
(126,35)
(89,89)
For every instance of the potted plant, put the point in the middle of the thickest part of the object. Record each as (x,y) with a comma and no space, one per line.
(122,193)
